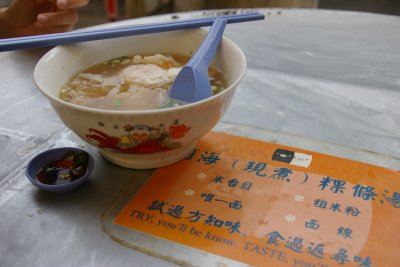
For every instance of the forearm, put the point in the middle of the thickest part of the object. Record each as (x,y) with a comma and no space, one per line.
(33,17)
(5,30)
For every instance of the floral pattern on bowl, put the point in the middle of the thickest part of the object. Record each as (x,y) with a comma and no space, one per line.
(140,138)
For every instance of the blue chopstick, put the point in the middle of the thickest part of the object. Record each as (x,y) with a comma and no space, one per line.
(97,34)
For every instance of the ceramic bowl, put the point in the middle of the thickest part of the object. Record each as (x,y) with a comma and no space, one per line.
(43,159)
(183,125)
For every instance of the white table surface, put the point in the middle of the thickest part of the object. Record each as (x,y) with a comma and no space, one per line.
(327,81)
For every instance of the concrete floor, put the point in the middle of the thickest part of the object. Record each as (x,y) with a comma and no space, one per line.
(92,14)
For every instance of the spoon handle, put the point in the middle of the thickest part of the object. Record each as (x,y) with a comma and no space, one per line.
(204,55)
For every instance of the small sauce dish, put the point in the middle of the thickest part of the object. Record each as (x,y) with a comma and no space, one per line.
(60,169)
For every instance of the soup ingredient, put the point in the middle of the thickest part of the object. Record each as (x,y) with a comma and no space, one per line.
(135,96)
(70,167)
(131,83)
(147,75)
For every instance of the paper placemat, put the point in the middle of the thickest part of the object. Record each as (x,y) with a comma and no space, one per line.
(264,204)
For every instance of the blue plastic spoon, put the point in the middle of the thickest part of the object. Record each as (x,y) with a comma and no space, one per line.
(192,83)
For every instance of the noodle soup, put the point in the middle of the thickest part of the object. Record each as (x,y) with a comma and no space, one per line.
(141,138)
(132,83)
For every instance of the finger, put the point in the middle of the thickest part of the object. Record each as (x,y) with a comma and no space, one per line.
(22,13)
(64,17)
(48,29)
(36,28)
(65,4)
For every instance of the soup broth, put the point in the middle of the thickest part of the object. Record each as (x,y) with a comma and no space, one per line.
(132,83)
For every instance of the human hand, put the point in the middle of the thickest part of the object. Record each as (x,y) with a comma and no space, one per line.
(32,17)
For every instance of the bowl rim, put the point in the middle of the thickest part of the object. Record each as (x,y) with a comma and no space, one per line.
(146,111)
(58,187)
